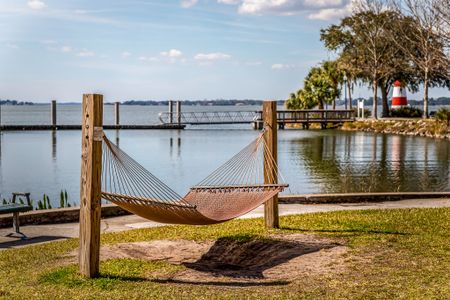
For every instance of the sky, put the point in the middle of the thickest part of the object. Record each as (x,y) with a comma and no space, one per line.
(159,50)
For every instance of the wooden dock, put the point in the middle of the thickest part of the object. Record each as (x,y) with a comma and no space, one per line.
(78,127)
(321,116)
(303,117)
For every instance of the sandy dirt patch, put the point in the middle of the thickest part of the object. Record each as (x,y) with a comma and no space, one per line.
(279,258)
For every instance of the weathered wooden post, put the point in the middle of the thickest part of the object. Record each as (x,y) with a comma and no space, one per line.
(117,113)
(178,112)
(170,111)
(270,161)
(53,113)
(90,187)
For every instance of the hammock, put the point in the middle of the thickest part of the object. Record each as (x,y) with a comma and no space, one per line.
(232,190)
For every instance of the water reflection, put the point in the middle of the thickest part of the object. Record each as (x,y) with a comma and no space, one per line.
(178,147)
(364,163)
(311,161)
(54,145)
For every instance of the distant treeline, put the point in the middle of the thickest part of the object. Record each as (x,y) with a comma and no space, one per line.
(15,102)
(220,102)
(431,101)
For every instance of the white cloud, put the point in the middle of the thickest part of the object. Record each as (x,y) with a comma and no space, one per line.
(80,11)
(148,59)
(288,7)
(125,54)
(85,53)
(212,56)
(66,49)
(188,3)
(229,1)
(12,46)
(281,66)
(172,53)
(322,3)
(332,13)
(36,4)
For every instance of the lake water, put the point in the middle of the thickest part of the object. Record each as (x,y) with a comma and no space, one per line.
(312,161)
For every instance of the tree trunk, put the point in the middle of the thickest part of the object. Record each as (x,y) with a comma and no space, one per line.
(320,104)
(375,99)
(425,96)
(349,86)
(334,104)
(384,99)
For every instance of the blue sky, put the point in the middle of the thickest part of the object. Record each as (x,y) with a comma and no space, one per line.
(142,49)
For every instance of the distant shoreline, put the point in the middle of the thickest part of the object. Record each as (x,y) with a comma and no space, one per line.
(220,102)
(247,102)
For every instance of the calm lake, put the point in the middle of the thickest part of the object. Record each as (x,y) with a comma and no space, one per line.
(312,161)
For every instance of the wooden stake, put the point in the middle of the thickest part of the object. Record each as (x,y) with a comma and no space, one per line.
(90,187)
(170,111)
(270,160)
(117,113)
(178,112)
(53,113)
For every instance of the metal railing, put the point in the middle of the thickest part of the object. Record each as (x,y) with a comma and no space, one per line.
(246,117)
(210,117)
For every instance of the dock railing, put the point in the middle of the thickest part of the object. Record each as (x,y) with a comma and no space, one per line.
(248,117)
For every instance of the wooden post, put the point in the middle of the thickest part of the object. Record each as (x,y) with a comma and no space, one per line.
(170,111)
(90,187)
(117,113)
(178,112)
(53,113)
(270,161)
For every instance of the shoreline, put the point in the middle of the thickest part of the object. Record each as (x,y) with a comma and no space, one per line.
(78,127)
(72,214)
(411,127)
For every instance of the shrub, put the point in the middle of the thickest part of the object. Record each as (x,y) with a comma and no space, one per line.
(443,114)
(407,112)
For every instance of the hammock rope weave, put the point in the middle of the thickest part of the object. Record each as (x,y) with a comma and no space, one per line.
(232,190)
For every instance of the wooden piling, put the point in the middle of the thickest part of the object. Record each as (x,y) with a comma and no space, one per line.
(270,161)
(53,113)
(117,113)
(178,112)
(170,111)
(90,187)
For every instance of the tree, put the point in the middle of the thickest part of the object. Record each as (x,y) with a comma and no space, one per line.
(362,42)
(444,28)
(320,86)
(419,36)
(331,70)
(349,69)
(294,102)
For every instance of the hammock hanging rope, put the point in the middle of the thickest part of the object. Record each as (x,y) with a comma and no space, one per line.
(232,190)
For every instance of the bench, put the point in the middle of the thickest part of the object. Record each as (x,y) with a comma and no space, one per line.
(15,209)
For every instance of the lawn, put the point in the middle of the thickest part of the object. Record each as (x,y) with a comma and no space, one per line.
(390,254)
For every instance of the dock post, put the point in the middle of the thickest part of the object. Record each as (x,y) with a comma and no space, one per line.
(90,187)
(178,112)
(53,113)
(270,161)
(117,113)
(170,111)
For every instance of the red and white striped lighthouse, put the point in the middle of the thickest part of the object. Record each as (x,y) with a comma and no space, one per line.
(399,95)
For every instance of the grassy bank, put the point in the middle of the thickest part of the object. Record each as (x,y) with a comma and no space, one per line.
(391,254)
(414,127)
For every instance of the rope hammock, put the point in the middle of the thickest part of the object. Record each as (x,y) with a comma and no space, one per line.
(232,190)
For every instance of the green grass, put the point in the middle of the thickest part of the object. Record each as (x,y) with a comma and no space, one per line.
(393,254)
